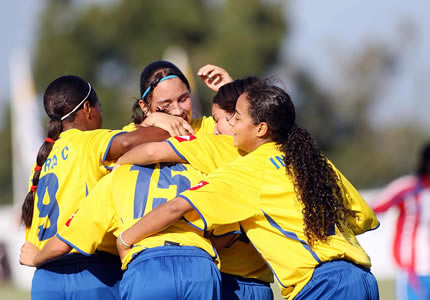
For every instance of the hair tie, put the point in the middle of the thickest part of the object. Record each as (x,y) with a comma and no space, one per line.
(149,87)
(33,188)
(37,168)
(49,140)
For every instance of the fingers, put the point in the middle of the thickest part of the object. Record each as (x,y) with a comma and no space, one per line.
(214,77)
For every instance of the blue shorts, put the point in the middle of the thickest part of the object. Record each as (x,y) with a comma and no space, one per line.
(340,279)
(171,272)
(239,288)
(76,276)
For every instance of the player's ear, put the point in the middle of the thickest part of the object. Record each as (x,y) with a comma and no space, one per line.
(87,109)
(143,106)
(262,129)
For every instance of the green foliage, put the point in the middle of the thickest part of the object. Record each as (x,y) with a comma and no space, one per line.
(6,159)
(110,44)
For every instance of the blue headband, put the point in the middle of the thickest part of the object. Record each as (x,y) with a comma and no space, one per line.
(162,79)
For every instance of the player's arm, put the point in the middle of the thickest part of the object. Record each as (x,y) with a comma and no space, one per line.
(150,153)
(158,219)
(32,256)
(123,142)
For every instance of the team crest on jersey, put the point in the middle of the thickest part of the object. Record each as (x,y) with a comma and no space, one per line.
(185,138)
(198,185)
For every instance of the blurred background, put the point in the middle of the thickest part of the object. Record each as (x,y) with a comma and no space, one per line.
(358,73)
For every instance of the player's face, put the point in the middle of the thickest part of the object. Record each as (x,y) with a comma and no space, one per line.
(220,117)
(242,127)
(172,97)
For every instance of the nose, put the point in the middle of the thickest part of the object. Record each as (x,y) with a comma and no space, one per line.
(177,110)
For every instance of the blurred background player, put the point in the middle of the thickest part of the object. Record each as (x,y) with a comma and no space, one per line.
(410,196)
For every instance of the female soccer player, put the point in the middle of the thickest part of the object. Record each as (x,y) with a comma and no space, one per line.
(299,212)
(245,275)
(169,97)
(68,165)
(165,100)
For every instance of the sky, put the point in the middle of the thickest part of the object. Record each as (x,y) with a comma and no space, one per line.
(320,31)
(323,30)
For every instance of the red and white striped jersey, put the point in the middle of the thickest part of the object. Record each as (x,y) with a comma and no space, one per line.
(411,196)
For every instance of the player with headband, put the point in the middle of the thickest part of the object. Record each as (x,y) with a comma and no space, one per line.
(245,275)
(68,165)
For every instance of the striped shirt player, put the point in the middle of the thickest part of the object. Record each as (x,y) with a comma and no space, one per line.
(410,195)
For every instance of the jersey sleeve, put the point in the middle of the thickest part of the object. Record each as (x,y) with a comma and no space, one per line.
(86,229)
(222,230)
(99,142)
(129,127)
(205,152)
(230,194)
(365,219)
(203,125)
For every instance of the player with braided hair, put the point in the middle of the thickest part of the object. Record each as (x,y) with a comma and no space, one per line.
(68,165)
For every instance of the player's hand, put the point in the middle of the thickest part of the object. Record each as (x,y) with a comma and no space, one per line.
(214,77)
(175,126)
(28,253)
(117,165)
(122,250)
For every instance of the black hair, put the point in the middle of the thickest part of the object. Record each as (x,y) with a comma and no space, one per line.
(150,77)
(315,181)
(424,163)
(60,98)
(227,95)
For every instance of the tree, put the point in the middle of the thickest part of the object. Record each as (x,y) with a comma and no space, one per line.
(110,44)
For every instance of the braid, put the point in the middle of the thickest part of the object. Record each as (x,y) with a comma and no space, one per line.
(55,127)
(62,97)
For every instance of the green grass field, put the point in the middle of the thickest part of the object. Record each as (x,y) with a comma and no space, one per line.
(8,291)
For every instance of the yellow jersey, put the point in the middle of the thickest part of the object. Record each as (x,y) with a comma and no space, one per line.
(121,198)
(73,167)
(255,191)
(201,125)
(208,152)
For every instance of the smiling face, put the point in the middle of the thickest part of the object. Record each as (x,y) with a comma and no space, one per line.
(245,133)
(220,117)
(172,97)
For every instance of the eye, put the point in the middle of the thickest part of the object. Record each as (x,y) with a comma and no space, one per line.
(229,117)
(182,100)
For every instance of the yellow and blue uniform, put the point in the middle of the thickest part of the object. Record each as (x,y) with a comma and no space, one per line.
(201,125)
(255,191)
(244,272)
(177,261)
(73,167)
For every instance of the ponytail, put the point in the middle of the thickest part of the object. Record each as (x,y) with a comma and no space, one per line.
(316,184)
(55,127)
